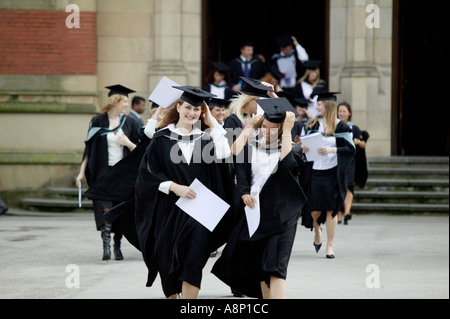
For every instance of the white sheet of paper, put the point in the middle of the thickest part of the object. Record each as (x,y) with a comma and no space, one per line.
(79,197)
(259,110)
(253,217)
(287,66)
(207,208)
(164,94)
(313,142)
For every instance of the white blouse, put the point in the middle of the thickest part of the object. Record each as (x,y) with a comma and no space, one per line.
(221,147)
(115,150)
(328,161)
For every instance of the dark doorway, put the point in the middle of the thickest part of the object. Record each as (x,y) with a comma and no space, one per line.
(420,109)
(226,24)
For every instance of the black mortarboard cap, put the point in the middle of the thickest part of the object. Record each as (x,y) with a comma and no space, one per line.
(118,89)
(327,96)
(276,72)
(275,109)
(301,101)
(219,102)
(193,95)
(221,67)
(312,64)
(284,40)
(254,87)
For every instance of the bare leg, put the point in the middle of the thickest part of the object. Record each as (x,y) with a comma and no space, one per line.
(348,202)
(318,233)
(331,232)
(174,297)
(277,288)
(189,291)
(265,290)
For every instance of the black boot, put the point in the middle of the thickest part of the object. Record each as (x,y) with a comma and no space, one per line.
(117,252)
(106,237)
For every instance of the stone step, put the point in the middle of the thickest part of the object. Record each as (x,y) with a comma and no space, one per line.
(55,204)
(66,191)
(409,172)
(409,161)
(399,208)
(402,197)
(406,184)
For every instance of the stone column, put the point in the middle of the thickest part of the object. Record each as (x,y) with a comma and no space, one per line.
(176,32)
(361,65)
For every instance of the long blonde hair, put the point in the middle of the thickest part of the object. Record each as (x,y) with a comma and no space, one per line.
(305,77)
(111,102)
(330,118)
(237,104)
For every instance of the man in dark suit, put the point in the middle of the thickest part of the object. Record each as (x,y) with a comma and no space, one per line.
(245,65)
(137,109)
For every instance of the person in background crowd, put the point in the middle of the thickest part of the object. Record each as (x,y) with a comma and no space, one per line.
(326,179)
(3,207)
(218,81)
(137,109)
(289,61)
(345,115)
(246,65)
(112,136)
(310,84)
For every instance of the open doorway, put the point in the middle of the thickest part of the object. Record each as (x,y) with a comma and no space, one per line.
(226,24)
(420,127)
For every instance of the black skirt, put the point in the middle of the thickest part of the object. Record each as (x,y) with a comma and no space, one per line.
(324,194)
(276,255)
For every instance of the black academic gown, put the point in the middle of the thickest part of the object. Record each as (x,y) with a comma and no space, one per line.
(228,92)
(245,261)
(298,90)
(361,170)
(257,70)
(118,185)
(96,150)
(345,154)
(172,243)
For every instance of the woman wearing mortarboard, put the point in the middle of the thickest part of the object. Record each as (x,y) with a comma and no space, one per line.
(241,110)
(218,81)
(174,244)
(111,137)
(325,180)
(256,257)
(310,84)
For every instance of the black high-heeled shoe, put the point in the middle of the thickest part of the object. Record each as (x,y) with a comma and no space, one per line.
(331,256)
(347,218)
(317,247)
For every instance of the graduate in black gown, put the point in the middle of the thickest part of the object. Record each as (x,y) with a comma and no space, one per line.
(246,65)
(218,81)
(254,261)
(325,180)
(355,176)
(111,137)
(173,244)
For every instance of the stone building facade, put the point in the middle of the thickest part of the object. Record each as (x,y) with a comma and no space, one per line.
(52,77)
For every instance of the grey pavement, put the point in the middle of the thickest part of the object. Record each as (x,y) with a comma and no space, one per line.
(378,257)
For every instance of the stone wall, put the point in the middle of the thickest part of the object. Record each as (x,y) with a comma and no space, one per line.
(361,66)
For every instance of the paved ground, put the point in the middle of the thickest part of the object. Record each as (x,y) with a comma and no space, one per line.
(408,256)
